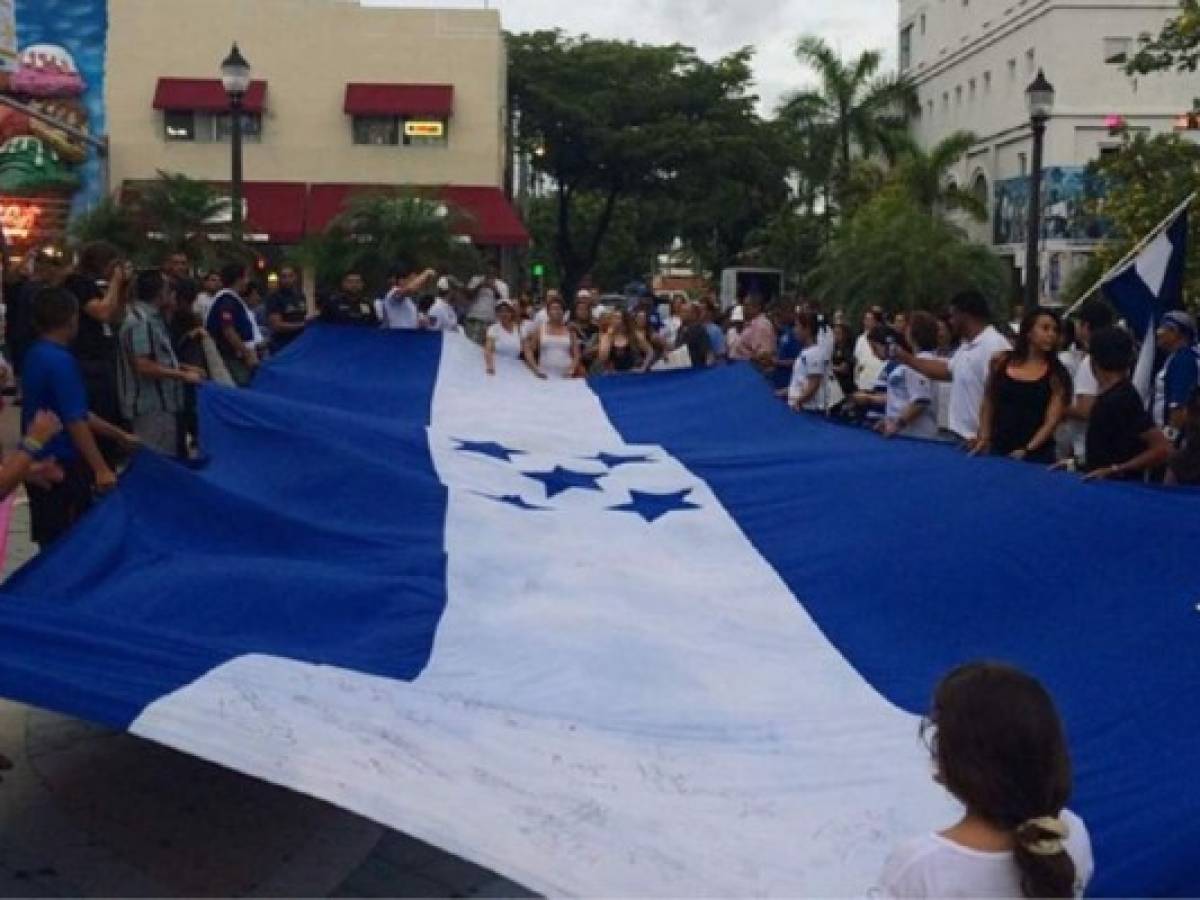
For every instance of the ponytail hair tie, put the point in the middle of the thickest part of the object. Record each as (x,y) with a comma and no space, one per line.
(1044,836)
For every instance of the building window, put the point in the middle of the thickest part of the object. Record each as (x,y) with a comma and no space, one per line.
(377,131)
(922,23)
(209,128)
(1107,153)
(971,90)
(958,95)
(1022,164)
(400,131)
(180,126)
(979,190)
(1117,50)
(987,83)
(906,46)
(1012,70)
(1030,61)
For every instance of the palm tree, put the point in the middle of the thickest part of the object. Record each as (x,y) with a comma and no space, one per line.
(860,107)
(182,213)
(923,175)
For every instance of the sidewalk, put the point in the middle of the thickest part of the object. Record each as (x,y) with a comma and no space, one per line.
(88,812)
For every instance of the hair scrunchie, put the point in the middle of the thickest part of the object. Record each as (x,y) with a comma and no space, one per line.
(1043,836)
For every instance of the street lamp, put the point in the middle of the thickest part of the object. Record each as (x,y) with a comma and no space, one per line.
(235,76)
(1040,98)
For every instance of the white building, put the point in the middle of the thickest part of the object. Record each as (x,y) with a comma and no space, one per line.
(972,60)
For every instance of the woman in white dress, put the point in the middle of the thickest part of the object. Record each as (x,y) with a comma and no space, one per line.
(553,351)
(503,338)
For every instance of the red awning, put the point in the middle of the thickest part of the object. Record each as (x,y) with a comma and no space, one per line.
(486,215)
(274,209)
(433,100)
(205,95)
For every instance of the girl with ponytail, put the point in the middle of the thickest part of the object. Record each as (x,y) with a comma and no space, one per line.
(999,747)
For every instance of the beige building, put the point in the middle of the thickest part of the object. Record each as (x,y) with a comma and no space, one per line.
(345,99)
(972,60)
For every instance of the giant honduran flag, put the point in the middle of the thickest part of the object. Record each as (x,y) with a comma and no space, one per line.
(643,636)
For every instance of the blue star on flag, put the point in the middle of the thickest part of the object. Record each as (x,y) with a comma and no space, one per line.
(561,480)
(488,448)
(613,460)
(653,507)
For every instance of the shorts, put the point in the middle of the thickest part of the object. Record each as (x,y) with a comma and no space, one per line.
(55,509)
(158,431)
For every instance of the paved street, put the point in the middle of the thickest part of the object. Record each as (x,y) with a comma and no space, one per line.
(90,812)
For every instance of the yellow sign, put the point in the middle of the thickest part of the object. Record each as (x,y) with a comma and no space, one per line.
(425,129)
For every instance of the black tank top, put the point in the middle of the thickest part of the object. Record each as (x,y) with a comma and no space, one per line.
(1018,411)
(623,358)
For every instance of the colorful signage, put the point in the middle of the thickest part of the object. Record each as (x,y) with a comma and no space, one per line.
(52,60)
(424,129)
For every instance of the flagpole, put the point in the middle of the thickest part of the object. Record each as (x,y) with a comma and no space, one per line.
(1142,244)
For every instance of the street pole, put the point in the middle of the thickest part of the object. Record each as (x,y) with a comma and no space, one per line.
(1033,237)
(235,102)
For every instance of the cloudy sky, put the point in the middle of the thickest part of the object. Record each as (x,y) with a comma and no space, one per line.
(713,27)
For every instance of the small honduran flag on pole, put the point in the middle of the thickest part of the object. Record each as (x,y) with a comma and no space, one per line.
(1148,286)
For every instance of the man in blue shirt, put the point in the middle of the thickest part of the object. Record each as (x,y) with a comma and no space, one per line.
(1179,374)
(53,381)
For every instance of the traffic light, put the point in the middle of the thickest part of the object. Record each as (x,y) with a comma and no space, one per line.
(539,278)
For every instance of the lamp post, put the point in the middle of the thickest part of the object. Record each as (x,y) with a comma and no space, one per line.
(1040,98)
(235,76)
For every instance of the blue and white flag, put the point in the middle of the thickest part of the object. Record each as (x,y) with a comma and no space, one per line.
(1148,287)
(651,636)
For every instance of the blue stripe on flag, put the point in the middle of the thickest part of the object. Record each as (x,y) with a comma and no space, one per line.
(913,558)
(316,533)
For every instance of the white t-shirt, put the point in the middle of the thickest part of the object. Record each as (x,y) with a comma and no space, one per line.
(812,361)
(484,307)
(969,369)
(397,311)
(933,866)
(442,316)
(507,343)
(867,365)
(202,304)
(1074,433)
(905,387)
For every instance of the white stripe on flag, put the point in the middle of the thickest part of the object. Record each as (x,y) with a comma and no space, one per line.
(612,707)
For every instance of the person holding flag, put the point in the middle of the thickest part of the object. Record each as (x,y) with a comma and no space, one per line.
(1180,373)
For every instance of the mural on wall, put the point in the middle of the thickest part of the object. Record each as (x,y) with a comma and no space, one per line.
(51,59)
(1066,192)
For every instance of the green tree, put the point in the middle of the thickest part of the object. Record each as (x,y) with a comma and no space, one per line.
(894,253)
(181,213)
(615,120)
(118,224)
(1176,46)
(377,232)
(790,239)
(1146,179)
(860,108)
(924,176)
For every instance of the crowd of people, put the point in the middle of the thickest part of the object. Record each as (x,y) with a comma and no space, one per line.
(114,356)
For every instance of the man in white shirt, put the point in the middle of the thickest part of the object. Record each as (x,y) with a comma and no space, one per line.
(967,371)
(441,315)
(204,300)
(397,310)
(485,291)
(867,365)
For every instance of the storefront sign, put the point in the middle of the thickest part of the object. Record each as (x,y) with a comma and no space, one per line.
(424,129)
(19,220)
